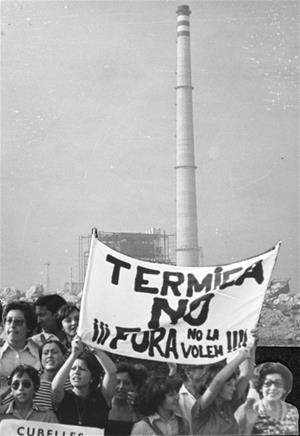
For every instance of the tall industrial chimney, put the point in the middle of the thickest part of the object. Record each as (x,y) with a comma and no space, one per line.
(187,250)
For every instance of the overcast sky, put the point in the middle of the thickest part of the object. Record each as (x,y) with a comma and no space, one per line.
(88,129)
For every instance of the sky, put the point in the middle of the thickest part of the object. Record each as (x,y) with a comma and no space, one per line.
(88,129)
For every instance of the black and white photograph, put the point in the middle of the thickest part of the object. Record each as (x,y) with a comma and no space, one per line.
(149,217)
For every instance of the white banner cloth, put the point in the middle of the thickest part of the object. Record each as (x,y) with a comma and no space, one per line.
(189,315)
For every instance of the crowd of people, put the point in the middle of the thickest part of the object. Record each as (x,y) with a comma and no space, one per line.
(48,374)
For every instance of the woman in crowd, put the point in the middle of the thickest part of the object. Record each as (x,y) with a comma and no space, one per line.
(158,403)
(53,355)
(86,403)
(122,415)
(19,322)
(222,392)
(67,319)
(24,383)
(271,415)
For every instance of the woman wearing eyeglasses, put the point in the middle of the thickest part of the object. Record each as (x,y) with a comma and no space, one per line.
(19,322)
(24,382)
(271,415)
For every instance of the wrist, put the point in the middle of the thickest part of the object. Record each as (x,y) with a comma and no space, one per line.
(73,355)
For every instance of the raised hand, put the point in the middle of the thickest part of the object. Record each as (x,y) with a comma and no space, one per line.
(76,346)
(245,353)
(254,337)
(172,368)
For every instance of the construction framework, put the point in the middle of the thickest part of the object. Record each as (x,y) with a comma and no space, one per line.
(152,246)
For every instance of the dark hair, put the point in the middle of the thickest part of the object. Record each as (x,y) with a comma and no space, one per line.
(154,392)
(61,346)
(130,370)
(63,312)
(208,374)
(52,302)
(93,366)
(141,375)
(187,369)
(264,369)
(27,309)
(30,371)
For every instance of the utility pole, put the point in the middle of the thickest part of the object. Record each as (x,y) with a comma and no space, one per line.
(71,280)
(47,264)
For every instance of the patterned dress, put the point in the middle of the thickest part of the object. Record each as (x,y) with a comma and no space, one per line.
(287,425)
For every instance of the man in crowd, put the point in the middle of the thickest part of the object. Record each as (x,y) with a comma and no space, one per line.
(189,391)
(46,307)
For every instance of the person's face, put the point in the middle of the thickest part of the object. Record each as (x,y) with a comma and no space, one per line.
(46,320)
(80,375)
(171,401)
(22,389)
(52,357)
(124,385)
(70,323)
(228,389)
(195,378)
(15,326)
(273,387)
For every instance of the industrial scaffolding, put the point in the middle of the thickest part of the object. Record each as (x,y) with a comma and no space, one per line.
(152,246)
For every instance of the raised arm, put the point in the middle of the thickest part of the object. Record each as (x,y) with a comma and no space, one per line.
(247,366)
(172,368)
(63,373)
(246,415)
(109,382)
(246,374)
(220,378)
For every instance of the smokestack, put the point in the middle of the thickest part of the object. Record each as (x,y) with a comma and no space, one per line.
(187,250)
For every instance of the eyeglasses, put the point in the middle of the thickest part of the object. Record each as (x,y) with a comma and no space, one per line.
(17,321)
(25,384)
(276,383)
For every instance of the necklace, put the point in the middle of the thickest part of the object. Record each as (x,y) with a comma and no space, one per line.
(80,413)
(268,414)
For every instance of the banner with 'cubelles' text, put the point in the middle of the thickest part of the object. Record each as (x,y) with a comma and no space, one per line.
(20,427)
(188,315)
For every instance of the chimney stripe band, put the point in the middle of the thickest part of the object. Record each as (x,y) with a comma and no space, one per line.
(183,23)
(183,10)
(183,28)
(182,18)
(183,33)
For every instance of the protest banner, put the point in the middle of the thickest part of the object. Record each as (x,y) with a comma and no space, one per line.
(189,315)
(19,427)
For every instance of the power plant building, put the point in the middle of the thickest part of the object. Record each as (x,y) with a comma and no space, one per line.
(152,246)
